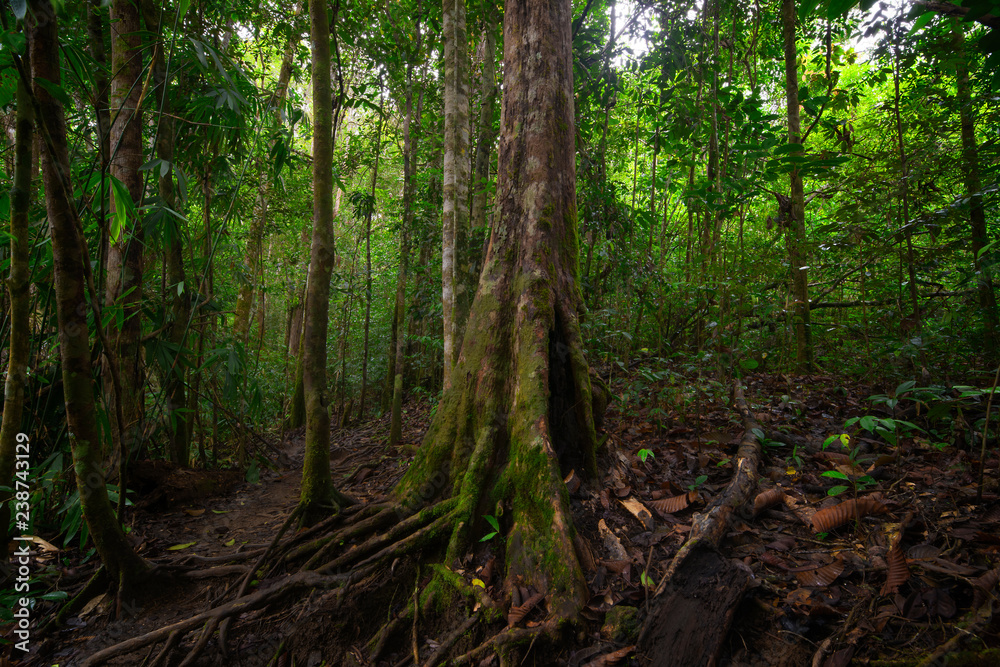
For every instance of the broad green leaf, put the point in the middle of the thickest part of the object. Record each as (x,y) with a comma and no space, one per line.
(836,490)
(836,474)
(182,8)
(838,8)
(56,91)
(806,8)
(904,387)
(178,547)
(123,208)
(924,19)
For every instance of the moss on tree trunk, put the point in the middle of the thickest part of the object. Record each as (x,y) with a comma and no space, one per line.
(518,414)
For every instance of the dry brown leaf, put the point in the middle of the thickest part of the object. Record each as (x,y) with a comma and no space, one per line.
(572,482)
(898,572)
(674,504)
(821,576)
(983,587)
(767,499)
(616,566)
(194,512)
(612,544)
(832,517)
(639,511)
(613,658)
(517,614)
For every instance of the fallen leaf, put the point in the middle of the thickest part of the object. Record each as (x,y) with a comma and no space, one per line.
(821,576)
(827,519)
(517,614)
(178,547)
(194,512)
(639,511)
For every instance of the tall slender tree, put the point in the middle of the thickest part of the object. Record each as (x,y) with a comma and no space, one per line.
(456,177)
(15,385)
(124,567)
(318,496)
(125,258)
(795,232)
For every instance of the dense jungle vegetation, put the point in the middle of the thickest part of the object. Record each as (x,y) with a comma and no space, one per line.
(230,220)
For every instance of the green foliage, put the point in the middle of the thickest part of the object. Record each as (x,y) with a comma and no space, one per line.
(496,528)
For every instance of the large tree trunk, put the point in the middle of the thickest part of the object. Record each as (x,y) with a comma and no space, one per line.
(484,150)
(456,178)
(318,496)
(519,405)
(124,283)
(123,565)
(180,296)
(17,284)
(973,189)
(795,234)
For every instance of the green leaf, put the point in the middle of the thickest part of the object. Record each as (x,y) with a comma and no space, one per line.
(54,595)
(123,208)
(56,91)
(493,522)
(182,8)
(178,547)
(489,536)
(904,387)
(836,474)
(924,19)
(806,8)
(836,490)
(839,8)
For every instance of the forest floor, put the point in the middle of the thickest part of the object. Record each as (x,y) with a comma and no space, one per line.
(886,580)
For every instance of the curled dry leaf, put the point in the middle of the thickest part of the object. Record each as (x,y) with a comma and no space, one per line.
(572,482)
(613,658)
(821,576)
(517,614)
(898,572)
(766,499)
(674,504)
(832,517)
(983,587)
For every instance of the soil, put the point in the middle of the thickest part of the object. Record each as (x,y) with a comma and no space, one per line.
(821,598)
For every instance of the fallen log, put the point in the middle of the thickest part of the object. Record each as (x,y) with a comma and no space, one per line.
(695,601)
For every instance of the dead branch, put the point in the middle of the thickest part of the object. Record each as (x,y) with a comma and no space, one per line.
(239,606)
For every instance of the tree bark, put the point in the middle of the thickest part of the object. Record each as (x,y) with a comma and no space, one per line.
(519,406)
(123,293)
(17,286)
(973,189)
(456,176)
(369,212)
(318,496)
(124,566)
(795,234)
(180,295)
(484,149)
(410,145)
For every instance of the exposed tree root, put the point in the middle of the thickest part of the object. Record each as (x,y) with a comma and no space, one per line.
(974,622)
(445,647)
(697,559)
(507,637)
(709,527)
(239,606)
